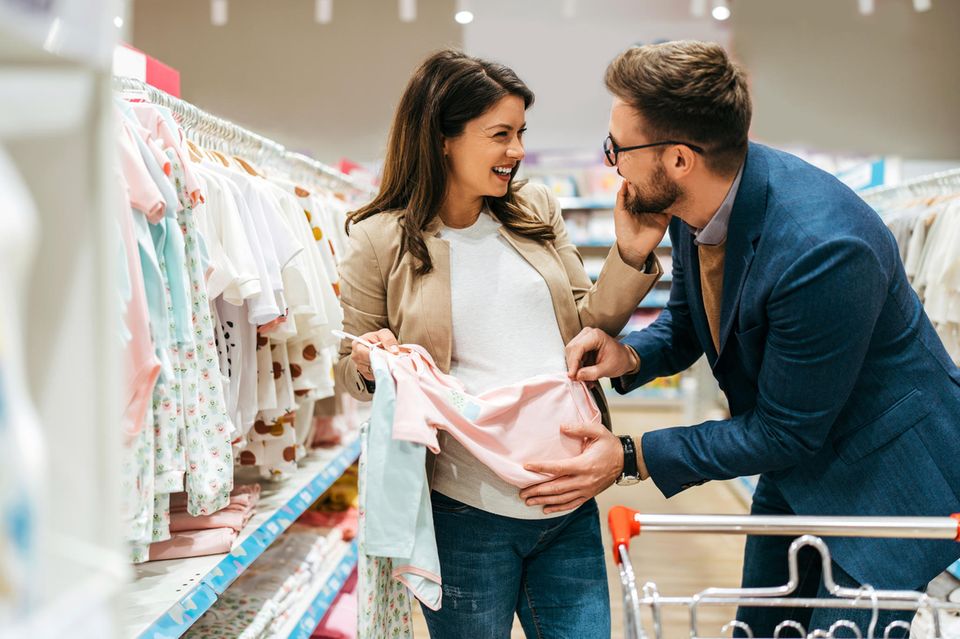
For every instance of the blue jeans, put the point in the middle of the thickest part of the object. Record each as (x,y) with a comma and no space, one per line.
(550,572)
(765,564)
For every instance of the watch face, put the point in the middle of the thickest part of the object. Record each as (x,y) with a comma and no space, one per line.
(627,480)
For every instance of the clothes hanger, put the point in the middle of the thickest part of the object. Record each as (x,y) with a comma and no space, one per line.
(248,166)
(196,153)
(360,340)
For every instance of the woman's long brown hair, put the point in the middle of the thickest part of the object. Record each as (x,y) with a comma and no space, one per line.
(448,90)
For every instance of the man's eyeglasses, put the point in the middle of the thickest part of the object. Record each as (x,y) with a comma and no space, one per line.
(612,151)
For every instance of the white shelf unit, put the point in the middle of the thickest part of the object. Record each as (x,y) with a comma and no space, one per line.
(169,596)
(55,107)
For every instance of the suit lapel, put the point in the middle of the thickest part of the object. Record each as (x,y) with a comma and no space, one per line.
(746,222)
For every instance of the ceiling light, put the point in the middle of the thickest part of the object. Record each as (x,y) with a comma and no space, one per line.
(921,5)
(464,17)
(118,22)
(865,7)
(698,8)
(720,10)
(324,11)
(218,12)
(408,10)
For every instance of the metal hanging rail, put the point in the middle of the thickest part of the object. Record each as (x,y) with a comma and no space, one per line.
(218,133)
(919,187)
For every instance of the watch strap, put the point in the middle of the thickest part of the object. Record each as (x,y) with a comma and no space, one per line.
(630,468)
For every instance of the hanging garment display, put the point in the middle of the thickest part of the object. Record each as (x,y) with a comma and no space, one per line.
(229,300)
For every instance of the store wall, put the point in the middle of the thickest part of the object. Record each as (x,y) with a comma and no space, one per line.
(328,90)
(823,77)
(562,57)
(827,78)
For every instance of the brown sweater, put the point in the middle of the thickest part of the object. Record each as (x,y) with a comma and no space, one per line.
(711,283)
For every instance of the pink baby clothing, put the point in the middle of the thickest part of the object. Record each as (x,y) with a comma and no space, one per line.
(141,366)
(241,493)
(152,119)
(234,516)
(143,192)
(194,543)
(346,522)
(504,427)
(341,620)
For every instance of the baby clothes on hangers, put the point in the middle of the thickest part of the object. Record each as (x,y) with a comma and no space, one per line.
(208,428)
(142,369)
(162,250)
(503,428)
(931,258)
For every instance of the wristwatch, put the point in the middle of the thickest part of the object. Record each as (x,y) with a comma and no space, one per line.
(631,472)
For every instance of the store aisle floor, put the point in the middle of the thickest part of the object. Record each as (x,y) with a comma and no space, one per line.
(679,564)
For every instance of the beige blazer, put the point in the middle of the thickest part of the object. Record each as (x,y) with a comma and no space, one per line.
(380,289)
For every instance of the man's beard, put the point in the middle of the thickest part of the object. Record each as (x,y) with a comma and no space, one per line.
(655,197)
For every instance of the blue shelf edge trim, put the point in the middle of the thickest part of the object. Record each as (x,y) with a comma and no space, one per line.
(178,619)
(240,558)
(667,277)
(321,604)
(955,569)
(664,243)
(183,614)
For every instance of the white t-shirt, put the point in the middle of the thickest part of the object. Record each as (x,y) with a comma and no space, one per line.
(504,331)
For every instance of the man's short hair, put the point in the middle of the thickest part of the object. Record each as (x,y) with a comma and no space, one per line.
(690,92)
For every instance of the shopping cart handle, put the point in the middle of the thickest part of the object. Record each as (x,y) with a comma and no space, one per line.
(957,517)
(623,525)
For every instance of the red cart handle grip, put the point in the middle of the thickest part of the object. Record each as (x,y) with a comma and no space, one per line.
(623,525)
(957,517)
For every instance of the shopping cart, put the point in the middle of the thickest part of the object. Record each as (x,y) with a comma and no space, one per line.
(626,523)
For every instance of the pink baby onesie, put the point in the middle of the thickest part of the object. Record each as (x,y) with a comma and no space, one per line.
(504,428)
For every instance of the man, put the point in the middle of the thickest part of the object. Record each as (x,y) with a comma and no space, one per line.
(842,396)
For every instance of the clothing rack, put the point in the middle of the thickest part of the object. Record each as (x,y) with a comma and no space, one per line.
(882,197)
(927,185)
(168,597)
(218,133)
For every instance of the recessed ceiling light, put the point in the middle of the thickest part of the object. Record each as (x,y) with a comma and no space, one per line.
(218,12)
(407,10)
(721,13)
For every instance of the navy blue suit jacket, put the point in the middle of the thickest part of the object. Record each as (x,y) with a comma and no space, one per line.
(840,390)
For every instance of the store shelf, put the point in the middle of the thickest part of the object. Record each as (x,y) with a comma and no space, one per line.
(661,398)
(169,596)
(310,612)
(667,277)
(657,298)
(607,243)
(586,203)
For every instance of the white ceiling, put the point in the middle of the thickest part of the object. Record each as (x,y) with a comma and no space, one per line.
(592,10)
